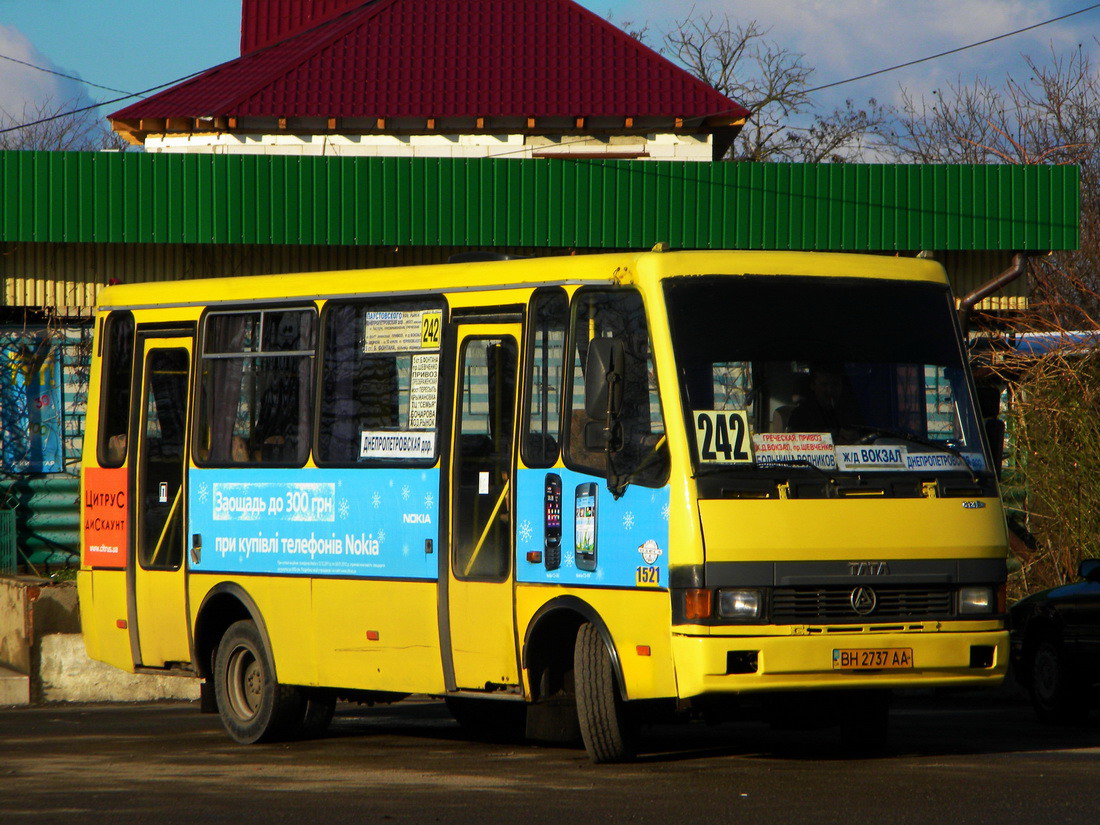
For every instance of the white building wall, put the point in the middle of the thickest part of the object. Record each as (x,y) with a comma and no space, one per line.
(660,146)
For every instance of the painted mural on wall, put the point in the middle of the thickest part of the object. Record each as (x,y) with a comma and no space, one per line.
(31,410)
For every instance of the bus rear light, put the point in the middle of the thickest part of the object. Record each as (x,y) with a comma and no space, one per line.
(643,650)
(120,624)
(697,603)
(372,635)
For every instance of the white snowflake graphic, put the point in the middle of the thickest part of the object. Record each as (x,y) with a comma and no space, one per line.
(345,508)
(599,573)
(204,492)
(429,501)
(406,492)
(566,559)
(525,531)
(664,511)
(628,520)
(376,500)
(391,482)
(381,536)
(404,549)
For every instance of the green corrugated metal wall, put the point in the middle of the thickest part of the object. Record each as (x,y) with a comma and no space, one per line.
(66,197)
(46,517)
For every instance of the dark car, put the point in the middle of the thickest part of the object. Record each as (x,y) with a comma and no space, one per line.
(1056,646)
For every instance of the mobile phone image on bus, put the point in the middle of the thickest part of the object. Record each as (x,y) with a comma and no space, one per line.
(551,555)
(584,550)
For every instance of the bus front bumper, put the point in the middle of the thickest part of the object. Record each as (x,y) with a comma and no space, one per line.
(802,659)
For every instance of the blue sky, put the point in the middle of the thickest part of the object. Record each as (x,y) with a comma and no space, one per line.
(135,44)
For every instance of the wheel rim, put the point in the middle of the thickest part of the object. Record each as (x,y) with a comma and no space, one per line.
(244,682)
(1046,675)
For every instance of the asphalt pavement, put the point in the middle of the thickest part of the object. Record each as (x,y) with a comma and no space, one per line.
(958,758)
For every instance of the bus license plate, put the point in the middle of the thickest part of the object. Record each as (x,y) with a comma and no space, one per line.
(881,658)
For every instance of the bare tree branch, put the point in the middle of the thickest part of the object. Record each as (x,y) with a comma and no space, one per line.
(81,132)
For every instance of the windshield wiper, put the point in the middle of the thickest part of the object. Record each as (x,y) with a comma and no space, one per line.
(876,432)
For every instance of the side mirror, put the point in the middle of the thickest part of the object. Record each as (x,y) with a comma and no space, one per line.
(1089,570)
(603,379)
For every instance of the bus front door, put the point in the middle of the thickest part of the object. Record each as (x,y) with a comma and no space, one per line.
(159,627)
(480,613)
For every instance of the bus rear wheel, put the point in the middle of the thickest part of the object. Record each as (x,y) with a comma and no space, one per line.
(604,727)
(252,705)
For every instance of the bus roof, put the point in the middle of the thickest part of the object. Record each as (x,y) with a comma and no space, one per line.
(621,267)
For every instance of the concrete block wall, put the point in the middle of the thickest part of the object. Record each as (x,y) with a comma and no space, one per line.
(42,656)
(657,146)
(66,674)
(30,608)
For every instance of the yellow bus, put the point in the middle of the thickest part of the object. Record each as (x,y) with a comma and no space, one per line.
(568,494)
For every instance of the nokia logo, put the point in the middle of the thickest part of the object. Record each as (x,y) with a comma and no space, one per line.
(868,568)
(863,601)
(417,518)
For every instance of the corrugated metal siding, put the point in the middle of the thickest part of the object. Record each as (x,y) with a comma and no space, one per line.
(202,199)
(47,517)
(76,364)
(68,277)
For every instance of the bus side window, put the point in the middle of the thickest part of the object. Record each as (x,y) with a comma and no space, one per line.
(643,458)
(547,322)
(379,382)
(115,386)
(255,394)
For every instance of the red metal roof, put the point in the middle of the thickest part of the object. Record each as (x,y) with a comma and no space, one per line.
(267,21)
(436,59)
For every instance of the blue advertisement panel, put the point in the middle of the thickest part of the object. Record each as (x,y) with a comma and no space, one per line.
(371,523)
(571,530)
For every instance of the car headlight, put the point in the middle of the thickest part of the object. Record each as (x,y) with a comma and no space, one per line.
(740,605)
(976,600)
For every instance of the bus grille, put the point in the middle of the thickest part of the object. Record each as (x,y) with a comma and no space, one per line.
(833,604)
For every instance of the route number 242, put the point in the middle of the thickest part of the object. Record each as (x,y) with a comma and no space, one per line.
(723,436)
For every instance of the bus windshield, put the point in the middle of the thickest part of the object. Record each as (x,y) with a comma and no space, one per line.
(812,373)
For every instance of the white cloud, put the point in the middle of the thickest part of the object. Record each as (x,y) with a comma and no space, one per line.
(844,38)
(26,91)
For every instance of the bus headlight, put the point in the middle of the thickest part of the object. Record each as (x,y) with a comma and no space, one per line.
(740,605)
(975,600)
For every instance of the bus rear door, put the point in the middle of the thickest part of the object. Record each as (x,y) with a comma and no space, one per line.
(480,605)
(159,628)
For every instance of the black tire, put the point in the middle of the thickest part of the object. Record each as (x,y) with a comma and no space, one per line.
(600,713)
(1056,694)
(495,719)
(865,722)
(252,705)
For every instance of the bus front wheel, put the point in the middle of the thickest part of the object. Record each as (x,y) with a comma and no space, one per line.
(252,705)
(600,712)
